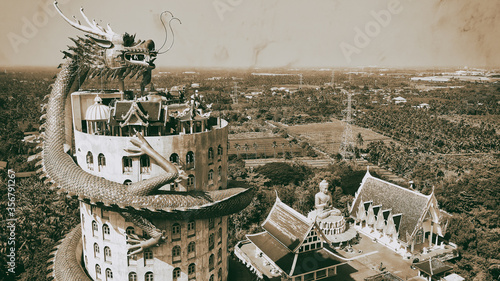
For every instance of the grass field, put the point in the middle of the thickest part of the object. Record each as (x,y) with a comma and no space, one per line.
(328,136)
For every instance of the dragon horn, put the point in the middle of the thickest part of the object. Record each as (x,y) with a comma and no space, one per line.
(76,24)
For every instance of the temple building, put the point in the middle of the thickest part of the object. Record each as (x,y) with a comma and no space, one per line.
(294,247)
(405,220)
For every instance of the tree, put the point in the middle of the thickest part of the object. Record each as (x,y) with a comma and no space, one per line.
(246,148)
(359,140)
(238,147)
(255,146)
(274,145)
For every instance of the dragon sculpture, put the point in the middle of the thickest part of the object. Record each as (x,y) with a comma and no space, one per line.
(112,56)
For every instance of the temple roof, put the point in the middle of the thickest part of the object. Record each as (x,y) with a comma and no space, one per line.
(433,267)
(287,225)
(410,204)
(273,249)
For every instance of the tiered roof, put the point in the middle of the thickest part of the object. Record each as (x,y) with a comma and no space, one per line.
(407,206)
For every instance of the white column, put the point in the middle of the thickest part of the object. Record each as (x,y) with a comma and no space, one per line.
(430,235)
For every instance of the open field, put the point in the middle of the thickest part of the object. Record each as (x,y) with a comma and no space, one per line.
(328,136)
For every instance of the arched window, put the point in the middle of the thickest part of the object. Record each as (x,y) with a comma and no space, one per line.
(101,161)
(219,276)
(210,155)
(109,274)
(127,182)
(90,161)
(145,164)
(219,173)
(210,175)
(95,228)
(191,228)
(96,250)
(130,230)
(211,242)
(176,273)
(176,231)
(219,255)
(219,151)
(211,278)
(219,236)
(132,276)
(148,276)
(174,158)
(190,160)
(211,265)
(190,181)
(127,165)
(191,270)
(107,254)
(176,253)
(192,249)
(105,231)
(97,271)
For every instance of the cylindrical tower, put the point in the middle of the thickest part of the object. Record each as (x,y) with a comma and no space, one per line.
(195,248)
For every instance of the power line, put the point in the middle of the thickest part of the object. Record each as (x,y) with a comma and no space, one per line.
(347,145)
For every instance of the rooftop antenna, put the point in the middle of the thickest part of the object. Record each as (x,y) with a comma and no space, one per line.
(347,144)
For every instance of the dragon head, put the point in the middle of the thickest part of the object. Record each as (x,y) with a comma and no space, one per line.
(106,53)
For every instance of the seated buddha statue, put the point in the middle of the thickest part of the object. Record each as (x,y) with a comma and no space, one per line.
(323,202)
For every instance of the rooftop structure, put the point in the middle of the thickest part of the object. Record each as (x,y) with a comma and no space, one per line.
(291,247)
(403,219)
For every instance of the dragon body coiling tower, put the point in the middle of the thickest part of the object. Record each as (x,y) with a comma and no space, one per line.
(150,172)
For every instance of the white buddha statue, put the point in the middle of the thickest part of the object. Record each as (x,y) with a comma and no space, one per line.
(323,202)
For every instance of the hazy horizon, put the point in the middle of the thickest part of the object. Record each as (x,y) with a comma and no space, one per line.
(239,34)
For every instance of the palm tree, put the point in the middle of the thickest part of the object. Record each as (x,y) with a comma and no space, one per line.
(359,139)
(283,148)
(274,145)
(290,144)
(246,147)
(255,146)
(238,147)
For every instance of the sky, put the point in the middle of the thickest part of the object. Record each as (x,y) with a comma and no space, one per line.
(270,33)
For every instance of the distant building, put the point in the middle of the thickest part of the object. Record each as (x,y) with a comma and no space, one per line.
(291,248)
(402,219)
(399,100)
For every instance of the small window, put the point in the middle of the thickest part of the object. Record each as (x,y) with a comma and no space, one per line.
(97,270)
(176,229)
(219,255)
(109,274)
(148,255)
(174,158)
(211,278)
(127,165)
(190,160)
(219,173)
(130,230)
(191,226)
(210,155)
(220,275)
(107,254)
(90,161)
(190,180)
(176,273)
(211,243)
(101,161)
(191,270)
(211,264)
(148,276)
(105,231)
(145,164)
(132,276)
(219,150)
(192,248)
(96,250)
(210,175)
(176,253)
(95,228)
